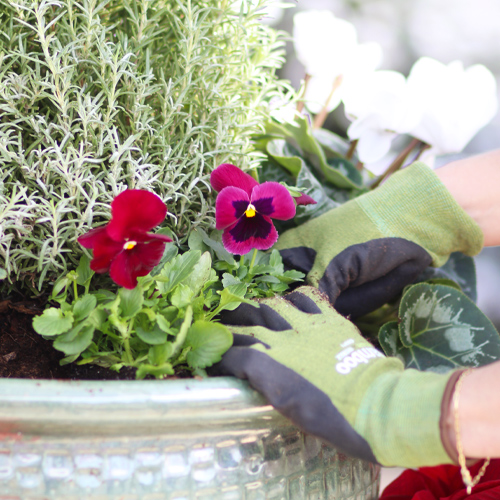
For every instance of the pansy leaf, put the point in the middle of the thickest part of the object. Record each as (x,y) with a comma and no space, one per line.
(440,329)
(170,252)
(214,241)
(153,336)
(130,301)
(76,340)
(159,354)
(208,342)
(286,155)
(53,322)
(459,268)
(83,271)
(156,371)
(201,273)
(84,306)
(182,296)
(177,270)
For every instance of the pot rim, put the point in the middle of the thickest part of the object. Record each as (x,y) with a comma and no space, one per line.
(112,407)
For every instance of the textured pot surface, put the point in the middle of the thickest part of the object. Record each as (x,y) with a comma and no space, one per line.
(156,440)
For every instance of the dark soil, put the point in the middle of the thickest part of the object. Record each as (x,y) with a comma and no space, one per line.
(25,354)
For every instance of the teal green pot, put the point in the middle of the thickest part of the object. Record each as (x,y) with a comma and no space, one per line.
(207,439)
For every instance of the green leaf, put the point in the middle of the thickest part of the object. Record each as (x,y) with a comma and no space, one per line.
(170,252)
(214,241)
(347,169)
(459,268)
(440,329)
(159,354)
(83,271)
(202,272)
(177,270)
(76,340)
(156,371)
(3,273)
(332,144)
(182,296)
(154,336)
(286,155)
(84,306)
(232,296)
(130,301)
(52,322)
(208,342)
(229,279)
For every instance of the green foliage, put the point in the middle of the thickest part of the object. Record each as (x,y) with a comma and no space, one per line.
(168,319)
(97,97)
(439,329)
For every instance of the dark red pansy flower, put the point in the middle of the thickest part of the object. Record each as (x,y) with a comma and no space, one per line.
(124,247)
(444,482)
(244,209)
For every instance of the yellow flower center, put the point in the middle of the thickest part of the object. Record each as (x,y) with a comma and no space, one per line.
(250,211)
(129,245)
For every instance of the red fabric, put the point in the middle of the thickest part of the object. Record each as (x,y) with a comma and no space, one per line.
(444,482)
(133,213)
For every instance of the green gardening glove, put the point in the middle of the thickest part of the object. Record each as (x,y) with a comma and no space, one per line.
(314,367)
(363,253)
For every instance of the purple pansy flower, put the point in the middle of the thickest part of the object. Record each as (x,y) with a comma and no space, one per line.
(244,209)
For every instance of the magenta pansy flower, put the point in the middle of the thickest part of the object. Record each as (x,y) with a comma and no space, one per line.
(124,247)
(244,209)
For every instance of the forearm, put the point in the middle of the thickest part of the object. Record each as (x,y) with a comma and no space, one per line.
(475,183)
(479,413)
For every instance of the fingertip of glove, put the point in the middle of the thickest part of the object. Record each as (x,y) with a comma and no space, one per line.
(303,302)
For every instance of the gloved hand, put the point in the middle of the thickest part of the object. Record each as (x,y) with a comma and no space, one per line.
(363,253)
(314,367)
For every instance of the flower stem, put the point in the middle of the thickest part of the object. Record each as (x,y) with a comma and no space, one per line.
(397,163)
(351,150)
(181,336)
(301,102)
(252,262)
(126,342)
(321,116)
(75,289)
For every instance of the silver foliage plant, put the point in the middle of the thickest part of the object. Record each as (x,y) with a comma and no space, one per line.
(97,97)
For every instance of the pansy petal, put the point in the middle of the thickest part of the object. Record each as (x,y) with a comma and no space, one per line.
(230,205)
(135,210)
(261,236)
(130,264)
(229,175)
(274,200)
(93,237)
(305,199)
(104,248)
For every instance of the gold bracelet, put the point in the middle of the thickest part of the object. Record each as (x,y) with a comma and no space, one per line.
(469,482)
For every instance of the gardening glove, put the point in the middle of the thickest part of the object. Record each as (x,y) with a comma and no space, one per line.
(363,253)
(314,367)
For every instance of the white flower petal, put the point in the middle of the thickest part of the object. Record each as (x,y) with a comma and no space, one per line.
(373,144)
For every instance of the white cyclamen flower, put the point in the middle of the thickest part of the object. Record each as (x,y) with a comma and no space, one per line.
(381,106)
(456,102)
(329,50)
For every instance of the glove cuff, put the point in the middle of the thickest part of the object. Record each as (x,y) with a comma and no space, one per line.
(414,204)
(400,418)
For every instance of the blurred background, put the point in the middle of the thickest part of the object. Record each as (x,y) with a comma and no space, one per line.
(446,30)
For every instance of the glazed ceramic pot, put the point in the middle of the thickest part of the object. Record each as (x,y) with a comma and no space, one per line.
(207,439)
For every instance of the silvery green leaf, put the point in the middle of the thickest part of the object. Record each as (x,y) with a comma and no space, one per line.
(440,329)
(459,268)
